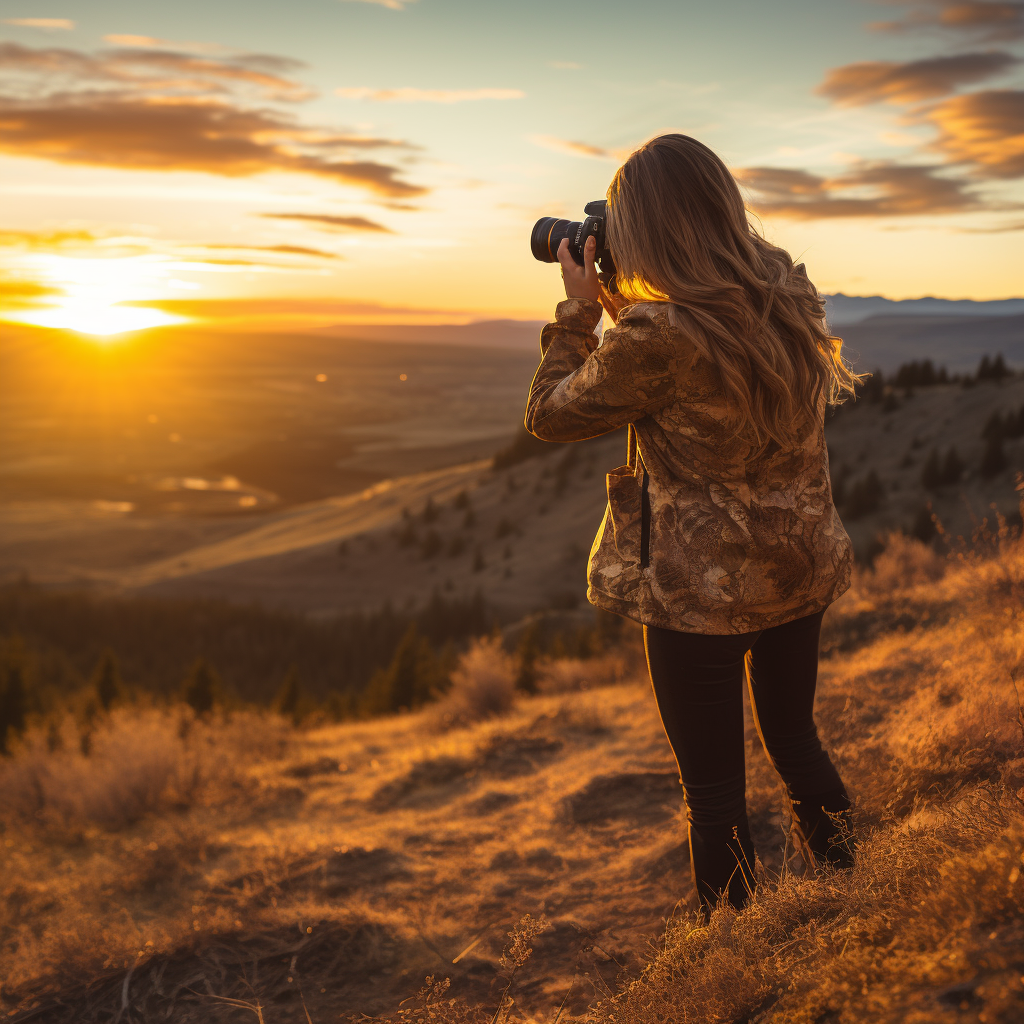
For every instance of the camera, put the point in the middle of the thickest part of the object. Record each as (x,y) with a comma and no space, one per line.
(548,233)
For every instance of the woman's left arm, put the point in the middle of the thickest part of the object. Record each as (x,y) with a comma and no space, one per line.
(581,390)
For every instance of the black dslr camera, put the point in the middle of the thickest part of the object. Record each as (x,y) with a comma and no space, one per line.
(548,233)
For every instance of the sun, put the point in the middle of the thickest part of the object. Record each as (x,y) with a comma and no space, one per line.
(97,320)
(101,296)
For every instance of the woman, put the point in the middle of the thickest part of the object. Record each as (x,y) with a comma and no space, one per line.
(720,535)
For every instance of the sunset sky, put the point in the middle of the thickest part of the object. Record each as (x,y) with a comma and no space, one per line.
(328,161)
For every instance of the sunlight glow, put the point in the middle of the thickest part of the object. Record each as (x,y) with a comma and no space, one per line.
(95,291)
(99,320)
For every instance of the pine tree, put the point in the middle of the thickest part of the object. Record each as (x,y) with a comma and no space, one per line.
(413,675)
(952,467)
(403,681)
(1013,426)
(931,474)
(431,544)
(340,707)
(202,689)
(526,659)
(993,460)
(994,427)
(865,496)
(106,681)
(291,700)
(924,528)
(13,705)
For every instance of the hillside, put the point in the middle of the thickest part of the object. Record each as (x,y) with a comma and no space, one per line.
(194,871)
(532,523)
(205,465)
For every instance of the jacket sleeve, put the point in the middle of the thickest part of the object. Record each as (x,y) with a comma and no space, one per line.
(581,390)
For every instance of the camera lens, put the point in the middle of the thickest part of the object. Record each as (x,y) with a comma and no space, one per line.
(547,235)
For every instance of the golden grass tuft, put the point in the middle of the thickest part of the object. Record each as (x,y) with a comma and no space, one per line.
(482,686)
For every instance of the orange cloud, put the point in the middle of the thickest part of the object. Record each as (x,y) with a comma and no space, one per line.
(570,148)
(985,129)
(881,189)
(287,250)
(146,66)
(45,239)
(220,309)
(410,95)
(331,222)
(15,290)
(169,111)
(46,24)
(893,82)
(392,5)
(991,21)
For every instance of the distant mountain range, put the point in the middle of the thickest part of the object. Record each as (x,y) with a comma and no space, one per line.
(485,333)
(851,309)
(879,333)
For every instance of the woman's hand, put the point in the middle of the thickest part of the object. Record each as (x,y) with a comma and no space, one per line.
(580,282)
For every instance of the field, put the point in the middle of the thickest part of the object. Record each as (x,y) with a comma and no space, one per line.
(331,496)
(196,870)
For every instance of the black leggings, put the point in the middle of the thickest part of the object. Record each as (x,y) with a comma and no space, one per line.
(698,683)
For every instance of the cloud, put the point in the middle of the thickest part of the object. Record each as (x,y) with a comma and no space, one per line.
(158,70)
(17,290)
(155,43)
(296,251)
(985,129)
(247,308)
(570,148)
(45,239)
(169,111)
(410,95)
(893,82)
(46,24)
(876,189)
(990,21)
(331,222)
(185,135)
(999,229)
(391,5)
(288,250)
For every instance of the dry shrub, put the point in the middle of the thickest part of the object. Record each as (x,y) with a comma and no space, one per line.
(483,685)
(904,563)
(566,675)
(138,762)
(573,715)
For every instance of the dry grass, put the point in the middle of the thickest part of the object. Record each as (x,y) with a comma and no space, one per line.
(565,675)
(376,854)
(483,685)
(129,764)
(905,563)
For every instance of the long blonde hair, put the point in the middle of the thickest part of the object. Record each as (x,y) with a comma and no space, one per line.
(678,232)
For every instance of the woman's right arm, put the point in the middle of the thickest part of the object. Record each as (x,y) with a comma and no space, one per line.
(581,390)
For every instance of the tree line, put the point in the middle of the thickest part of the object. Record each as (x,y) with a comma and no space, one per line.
(75,652)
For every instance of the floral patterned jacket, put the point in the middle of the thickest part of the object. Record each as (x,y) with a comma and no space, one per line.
(701,533)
